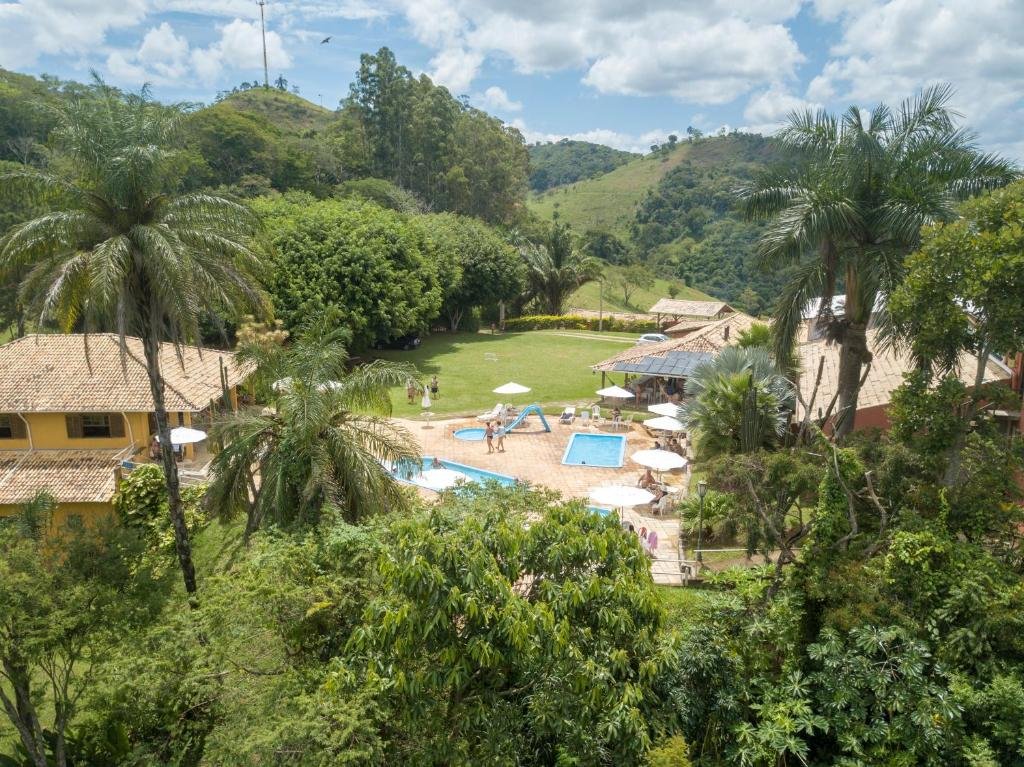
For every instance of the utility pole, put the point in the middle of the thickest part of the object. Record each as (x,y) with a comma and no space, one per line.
(263,30)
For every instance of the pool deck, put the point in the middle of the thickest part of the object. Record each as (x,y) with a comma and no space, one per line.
(533,455)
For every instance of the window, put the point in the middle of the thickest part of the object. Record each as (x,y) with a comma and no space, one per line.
(94,425)
(11,427)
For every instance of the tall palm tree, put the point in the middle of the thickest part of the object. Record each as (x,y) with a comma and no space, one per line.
(325,441)
(851,209)
(121,249)
(739,402)
(555,268)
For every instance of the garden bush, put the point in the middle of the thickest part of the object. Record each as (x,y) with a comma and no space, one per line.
(578,322)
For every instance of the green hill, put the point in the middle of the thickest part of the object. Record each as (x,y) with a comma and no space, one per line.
(608,201)
(286,111)
(564,162)
(589,295)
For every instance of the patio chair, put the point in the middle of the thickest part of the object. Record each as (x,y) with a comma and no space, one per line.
(585,419)
(595,415)
(625,423)
(568,415)
(490,357)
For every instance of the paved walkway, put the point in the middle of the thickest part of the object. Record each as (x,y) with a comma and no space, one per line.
(535,456)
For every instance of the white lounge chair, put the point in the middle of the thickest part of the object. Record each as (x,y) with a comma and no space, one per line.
(568,415)
(492,414)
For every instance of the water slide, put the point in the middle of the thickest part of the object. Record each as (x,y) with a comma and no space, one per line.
(525,412)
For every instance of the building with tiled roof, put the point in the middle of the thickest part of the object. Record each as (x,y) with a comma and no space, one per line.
(675,309)
(888,367)
(710,338)
(73,407)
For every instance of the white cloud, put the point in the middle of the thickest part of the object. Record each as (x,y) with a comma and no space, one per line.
(888,50)
(32,28)
(640,143)
(496,99)
(165,57)
(767,110)
(706,52)
(455,68)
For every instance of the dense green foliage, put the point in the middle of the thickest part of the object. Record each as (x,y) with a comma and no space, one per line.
(555,267)
(566,161)
(362,263)
(323,442)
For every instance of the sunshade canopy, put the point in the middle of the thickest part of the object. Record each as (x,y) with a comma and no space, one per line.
(620,495)
(183,435)
(442,479)
(664,423)
(665,408)
(512,388)
(659,460)
(615,392)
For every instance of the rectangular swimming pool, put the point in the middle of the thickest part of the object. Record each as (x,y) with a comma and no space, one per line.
(602,450)
(411,474)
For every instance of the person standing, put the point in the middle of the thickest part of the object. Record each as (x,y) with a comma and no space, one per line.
(499,439)
(435,387)
(410,391)
(489,436)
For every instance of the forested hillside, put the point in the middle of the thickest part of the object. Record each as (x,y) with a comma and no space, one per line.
(393,126)
(674,209)
(566,161)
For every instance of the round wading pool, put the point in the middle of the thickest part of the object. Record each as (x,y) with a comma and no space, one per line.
(472,434)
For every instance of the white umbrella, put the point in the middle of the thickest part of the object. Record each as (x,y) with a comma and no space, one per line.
(659,460)
(615,392)
(664,423)
(620,496)
(425,402)
(665,408)
(511,388)
(183,435)
(442,479)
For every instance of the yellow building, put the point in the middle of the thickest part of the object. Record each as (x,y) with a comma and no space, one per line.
(75,410)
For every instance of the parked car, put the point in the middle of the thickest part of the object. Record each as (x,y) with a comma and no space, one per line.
(652,338)
(406,343)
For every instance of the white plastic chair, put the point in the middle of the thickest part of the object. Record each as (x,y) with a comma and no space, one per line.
(585,419)
(595,415)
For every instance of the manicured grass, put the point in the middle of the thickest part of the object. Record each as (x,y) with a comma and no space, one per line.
(589,295)
(554,364)
(608,201)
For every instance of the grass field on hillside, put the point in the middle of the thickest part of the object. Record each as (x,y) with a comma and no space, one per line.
(554,364)
(588,296)
(608,201)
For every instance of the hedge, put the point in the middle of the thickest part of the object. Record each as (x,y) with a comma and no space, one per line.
(578,322)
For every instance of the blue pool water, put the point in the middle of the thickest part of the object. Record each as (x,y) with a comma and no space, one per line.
(472,434)
(411,474)
(604,450)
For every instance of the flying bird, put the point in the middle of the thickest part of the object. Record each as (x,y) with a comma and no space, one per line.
(326,40)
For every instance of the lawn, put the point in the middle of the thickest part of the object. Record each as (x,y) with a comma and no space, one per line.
(589,296)
(555,364)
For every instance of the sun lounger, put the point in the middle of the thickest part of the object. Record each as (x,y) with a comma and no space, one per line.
(568,415)
(492,414)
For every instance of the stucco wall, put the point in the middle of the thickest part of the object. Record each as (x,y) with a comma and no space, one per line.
(89,513)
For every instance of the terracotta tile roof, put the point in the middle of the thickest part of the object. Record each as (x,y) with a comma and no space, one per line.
(713,337)
(689,308)
(51,373)
(73,476)
(686,326)
(886,374)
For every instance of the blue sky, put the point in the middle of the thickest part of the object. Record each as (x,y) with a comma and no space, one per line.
(622,72)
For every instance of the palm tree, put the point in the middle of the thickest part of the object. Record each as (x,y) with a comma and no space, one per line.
(323,444)
(740,402)
(555,268)
(851,209)
(121,249)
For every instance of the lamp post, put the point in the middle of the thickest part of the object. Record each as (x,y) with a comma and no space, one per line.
(702,490)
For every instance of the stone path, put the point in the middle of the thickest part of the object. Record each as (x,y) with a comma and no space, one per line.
(535,456)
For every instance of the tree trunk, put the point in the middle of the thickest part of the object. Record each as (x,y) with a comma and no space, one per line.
(853,354)
(156,384)
(22,713)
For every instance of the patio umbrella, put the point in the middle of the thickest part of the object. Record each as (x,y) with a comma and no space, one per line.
(442,479)
(425,403)
(620,496)
(182,435)
(659,460)
(511,388)
(615,392)
(665,408)
(664,423)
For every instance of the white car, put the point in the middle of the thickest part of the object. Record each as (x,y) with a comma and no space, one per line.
(652,338)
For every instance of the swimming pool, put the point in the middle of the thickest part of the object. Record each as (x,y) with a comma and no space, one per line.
(603,450)
(472,434)
(411,474)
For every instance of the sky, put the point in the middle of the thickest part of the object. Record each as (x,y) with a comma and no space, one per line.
(620,72)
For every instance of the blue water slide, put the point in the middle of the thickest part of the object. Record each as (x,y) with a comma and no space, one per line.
(525,412)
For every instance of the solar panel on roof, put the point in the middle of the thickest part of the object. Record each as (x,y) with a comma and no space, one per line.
(677,364)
